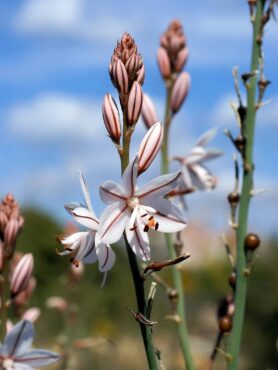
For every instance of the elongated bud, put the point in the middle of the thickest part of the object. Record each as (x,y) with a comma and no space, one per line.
(21,274)
(180,91)
(111,118)
(3,220)
(148,112)
(163,62)
(141,75)
(134,104)
(1,255)
(150,146)
(133,64)
(181,59)
(10,235)
(120,77)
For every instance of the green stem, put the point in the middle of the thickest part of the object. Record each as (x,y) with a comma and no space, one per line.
(247,185)
(4,298)
(177,277)
(137,279)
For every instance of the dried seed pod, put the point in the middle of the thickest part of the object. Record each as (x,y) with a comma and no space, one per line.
(180,91)
(149,147)
(252,241)
(232,280)
(134,105)
(148,112)
(163,62)
(225,324)
(111,118)
(240,142)
(233,198)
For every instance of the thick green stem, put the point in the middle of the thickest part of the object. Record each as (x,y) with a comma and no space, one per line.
(177,278)
(137,279)
(247,185)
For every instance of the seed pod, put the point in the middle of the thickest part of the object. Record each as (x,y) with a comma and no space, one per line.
(163,63)
(181,59)
(111,118)
(21,274)
(180,91)
(252,241)
(232,280)
(149,147)
(134,105)
(240,142)
(148,111)
(225,324)
(233,198)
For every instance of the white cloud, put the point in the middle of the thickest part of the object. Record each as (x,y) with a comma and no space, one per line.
(55,117)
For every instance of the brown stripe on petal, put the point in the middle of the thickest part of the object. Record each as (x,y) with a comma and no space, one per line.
(16,342)
(159,187)
(112,193)
(122,211)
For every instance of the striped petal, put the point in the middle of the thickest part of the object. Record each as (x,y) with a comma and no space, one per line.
(111,192)
(20,338)
(83,216)
(130,177)
(106,257)
(112,223)
(159,187)
(206,137)
(138,239)
(38,358)
(86,194)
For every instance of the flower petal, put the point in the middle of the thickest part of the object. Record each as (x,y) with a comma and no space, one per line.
(85,217)
(86,194)
(111,192)
(158,187)
(18,366)
(112,223)
(130,177)
(202,178)
(20,338)
(106,257)
(87,245)
(168,216)
(211,154)
(186,177)
(206,137)
(197,154)
(38,358)
(138,239)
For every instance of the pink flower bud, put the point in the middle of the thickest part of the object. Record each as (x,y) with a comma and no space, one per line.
(181,59)
(1,255)
(10,235)
(163,62)
(180,91)
(141,75)
(111,118)
(150,146)
(3,220)
(120,77)
(134,105)
(32,314)
(21,274)
(148,111)
(77,271)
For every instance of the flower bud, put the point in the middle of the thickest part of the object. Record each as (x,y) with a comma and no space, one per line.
(233,198)
(10,235)
(3,220)
(32,314)
(141,75)
(252,241)
(181,59)
(120,77)
(148,111)
(150,146)
(133,64)
(111,118)
(1,255)
(163,62)
(180,91)
(57,303)
(134,105)
(21,274)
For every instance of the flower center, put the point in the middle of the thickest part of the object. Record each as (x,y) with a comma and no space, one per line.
(133,202)
(8,364)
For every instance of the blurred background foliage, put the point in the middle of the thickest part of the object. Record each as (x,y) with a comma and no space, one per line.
(112,334)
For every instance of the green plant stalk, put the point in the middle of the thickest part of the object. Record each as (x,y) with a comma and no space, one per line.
(137,279)
(177,278)
(4,298)
(247,185)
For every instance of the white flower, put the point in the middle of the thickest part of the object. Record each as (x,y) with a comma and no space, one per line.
(135,211)
(81,245)
(15,352)
(195,174)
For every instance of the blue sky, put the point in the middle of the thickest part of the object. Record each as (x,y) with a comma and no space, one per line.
(53,76)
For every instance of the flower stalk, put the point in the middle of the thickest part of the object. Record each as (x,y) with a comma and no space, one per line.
(177,278)
(246,191)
